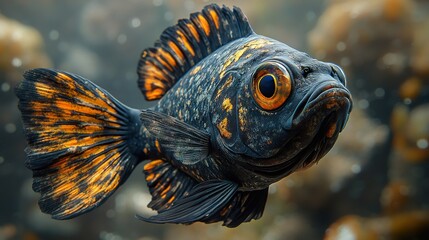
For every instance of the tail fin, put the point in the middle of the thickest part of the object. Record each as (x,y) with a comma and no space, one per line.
(78,137)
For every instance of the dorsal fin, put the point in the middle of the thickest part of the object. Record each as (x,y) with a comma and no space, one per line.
(183,45)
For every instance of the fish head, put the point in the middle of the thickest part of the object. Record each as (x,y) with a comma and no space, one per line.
(281,110)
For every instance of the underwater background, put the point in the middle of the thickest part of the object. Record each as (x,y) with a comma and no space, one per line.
(374,183)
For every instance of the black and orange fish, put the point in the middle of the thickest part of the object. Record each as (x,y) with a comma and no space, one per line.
(237,112)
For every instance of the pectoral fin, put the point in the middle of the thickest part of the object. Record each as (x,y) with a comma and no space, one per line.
(204,201)
(179,141)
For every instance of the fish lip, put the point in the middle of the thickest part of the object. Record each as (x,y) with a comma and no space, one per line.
(329,96)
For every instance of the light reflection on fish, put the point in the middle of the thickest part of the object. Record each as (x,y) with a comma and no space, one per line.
(237,112)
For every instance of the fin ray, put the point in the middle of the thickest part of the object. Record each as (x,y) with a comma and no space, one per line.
(78,141)
(166,184)
(180,141)
(204,200)
(183,45)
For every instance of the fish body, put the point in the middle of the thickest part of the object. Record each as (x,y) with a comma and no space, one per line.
(237,111)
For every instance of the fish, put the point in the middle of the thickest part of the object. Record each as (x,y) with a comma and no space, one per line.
(235,112)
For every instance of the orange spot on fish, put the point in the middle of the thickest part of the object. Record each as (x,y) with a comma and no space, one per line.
(182,38)
(152,164)
(193,31)
(223,128)
(176,50)
(165,191)
(331,131)
(204,24)
(215,17)
(226,105)
(157,145)
(195,69)
(164,63)
(150,177)
(167,57)
(171,199)
(227,84)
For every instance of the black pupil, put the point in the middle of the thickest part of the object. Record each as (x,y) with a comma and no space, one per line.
(267,86)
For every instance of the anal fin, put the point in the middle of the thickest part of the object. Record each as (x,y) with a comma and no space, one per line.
(166,184)
(244,207)
(203,201)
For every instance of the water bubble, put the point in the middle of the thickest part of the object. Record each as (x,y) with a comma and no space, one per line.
(122,38)
(379,92)
(341,46)
(363,104)
(109,236)
(356,168)
(16,62)
(135,22)
(10,127)
(393,59)
(5,87)
(407,101)
(422,143)
(54,35)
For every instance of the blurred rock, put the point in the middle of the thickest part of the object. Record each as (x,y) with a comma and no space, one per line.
(21,48)
(213,232)
(82,61)
(8,231)
(411,132)
(38,222)
(409,159)
(291,226)
(383,28)
(395,196)
(409,225)
(106,22)
(420,50)
(411,88)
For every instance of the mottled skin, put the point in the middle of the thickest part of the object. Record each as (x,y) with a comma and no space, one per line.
(236,112)
(250,138)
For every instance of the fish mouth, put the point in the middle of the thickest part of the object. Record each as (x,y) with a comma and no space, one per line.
(320,102)
(324,115)
(318,119)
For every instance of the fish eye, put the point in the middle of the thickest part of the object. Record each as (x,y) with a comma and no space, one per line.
(271,85)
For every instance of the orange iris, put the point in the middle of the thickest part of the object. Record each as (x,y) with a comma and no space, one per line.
(271,86)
